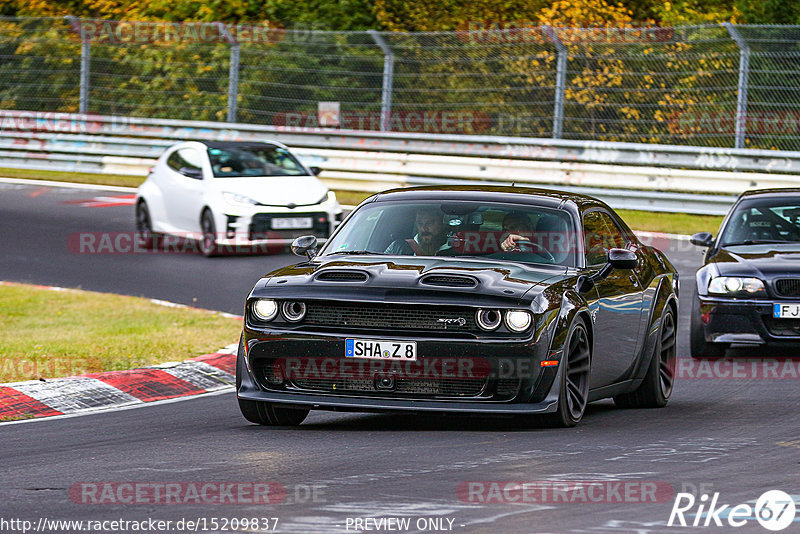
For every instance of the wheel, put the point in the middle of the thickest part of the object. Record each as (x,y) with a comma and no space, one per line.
(208,245)
(144,226)
(698,346)
(265,413)
(656,388)
(526,245)
(574,390)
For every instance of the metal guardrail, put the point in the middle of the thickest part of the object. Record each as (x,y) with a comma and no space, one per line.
(625,175)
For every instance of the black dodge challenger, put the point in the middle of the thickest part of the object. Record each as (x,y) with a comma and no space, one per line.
(471,300)
(748,289)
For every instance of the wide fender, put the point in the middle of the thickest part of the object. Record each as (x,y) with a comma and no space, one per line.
(572,306)
(665,296)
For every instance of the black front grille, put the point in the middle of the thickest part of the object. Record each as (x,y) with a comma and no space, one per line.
(391,317)
(261,226)
(449,281)
(440,387)
(788,287)
(782,327)
(507,387)
(342,276)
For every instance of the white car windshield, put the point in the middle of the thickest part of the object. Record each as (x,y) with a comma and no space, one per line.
(253,160)
(460,229)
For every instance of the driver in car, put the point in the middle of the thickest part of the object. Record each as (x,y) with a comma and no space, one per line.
(514,224)
(431,236)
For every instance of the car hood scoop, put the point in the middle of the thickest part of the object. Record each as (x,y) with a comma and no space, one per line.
(388,279)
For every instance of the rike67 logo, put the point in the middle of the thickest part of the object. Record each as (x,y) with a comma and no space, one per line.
(774,510)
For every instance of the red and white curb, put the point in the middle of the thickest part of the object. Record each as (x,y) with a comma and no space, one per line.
(117,389)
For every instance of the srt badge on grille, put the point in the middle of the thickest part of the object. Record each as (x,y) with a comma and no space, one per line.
(454,322)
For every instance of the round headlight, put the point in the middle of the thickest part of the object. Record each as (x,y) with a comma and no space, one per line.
(265,309)
(518,320)
(488,319)
(733,285)
(293,311)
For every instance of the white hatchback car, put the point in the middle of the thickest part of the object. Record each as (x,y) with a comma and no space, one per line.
(227,194)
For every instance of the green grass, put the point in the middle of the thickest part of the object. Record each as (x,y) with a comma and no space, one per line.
(670,223)
(46,333)
(78,177)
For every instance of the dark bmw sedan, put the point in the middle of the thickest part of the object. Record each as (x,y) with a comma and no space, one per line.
(748,290)
(470,300)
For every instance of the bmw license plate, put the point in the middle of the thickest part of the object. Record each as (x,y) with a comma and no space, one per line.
(291,223)
(786,311)
(381,350)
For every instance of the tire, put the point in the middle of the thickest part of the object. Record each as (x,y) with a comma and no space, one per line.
(208,245)
(698,346)
(144,226)
(265,413)
(574,385)
(656,388)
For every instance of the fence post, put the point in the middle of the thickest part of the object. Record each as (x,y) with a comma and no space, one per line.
(233,71)
(561,81)
(741,93)
(388,79)
(86,55)
(233,82)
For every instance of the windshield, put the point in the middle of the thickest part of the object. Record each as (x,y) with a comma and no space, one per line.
(773,220)
(253,160)
(459,229)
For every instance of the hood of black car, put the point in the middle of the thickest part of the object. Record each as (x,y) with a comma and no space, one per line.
(763,261)
(408,279)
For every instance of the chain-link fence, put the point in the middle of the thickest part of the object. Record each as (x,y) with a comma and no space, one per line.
(717,85)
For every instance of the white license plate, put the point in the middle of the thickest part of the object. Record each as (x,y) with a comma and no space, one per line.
(786,311)
(381,350)
(290,223)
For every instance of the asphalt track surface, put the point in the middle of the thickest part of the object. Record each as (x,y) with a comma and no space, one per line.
(735,436)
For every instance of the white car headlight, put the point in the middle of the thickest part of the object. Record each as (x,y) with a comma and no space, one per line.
(735,285)
(265,309)
(518,320)
(238,200)
(330,196)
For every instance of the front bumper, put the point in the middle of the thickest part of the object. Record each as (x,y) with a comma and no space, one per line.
(463,376)
(741,321)
(243,226)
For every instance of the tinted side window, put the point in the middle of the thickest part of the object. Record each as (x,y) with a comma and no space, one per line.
(601,234)
(185,158)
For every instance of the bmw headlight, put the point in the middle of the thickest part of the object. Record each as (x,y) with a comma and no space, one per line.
(518,320)
(265,309)
(735,285)
(238,200)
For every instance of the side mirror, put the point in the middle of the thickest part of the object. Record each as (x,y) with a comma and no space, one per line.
(622,258)
(315,170)
(702,239)
(305,246)
(191,172)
